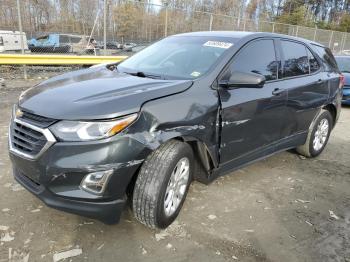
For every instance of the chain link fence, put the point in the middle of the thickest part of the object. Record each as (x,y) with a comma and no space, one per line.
(117,27)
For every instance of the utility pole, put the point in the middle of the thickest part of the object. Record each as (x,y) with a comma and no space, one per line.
(315,33)
(166,20)
(210,22)
(21,37)
(104,27)
(239,16)
(330,40)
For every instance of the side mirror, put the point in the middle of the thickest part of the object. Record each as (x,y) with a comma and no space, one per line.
(246,80)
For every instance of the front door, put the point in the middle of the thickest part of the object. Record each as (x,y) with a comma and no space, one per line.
(252,117)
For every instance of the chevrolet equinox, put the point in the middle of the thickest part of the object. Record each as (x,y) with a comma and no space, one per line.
(193,106)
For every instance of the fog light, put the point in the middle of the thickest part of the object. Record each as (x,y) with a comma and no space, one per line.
(96,182)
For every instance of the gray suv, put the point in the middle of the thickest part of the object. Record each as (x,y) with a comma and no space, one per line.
(189,107)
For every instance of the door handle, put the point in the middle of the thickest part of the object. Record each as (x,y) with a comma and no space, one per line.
(277,91)
(319,81)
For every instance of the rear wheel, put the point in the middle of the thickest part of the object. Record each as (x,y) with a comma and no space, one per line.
(318,135)
(162,184)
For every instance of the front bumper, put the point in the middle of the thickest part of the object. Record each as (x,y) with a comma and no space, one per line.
(55,176)
(107,211)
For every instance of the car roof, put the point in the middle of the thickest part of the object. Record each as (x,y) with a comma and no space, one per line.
(242,34)
(233,34)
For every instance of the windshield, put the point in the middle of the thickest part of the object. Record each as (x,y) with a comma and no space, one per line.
(181,57)
(343,64)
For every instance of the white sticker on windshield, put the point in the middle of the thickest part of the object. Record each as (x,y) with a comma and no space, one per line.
(224,45)
(195,74)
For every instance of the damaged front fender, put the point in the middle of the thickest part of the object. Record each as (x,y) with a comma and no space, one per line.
(195,120)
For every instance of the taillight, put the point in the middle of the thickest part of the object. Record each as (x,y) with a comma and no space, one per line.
(341,81)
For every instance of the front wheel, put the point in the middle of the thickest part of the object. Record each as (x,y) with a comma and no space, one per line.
(162,184)
(318,135)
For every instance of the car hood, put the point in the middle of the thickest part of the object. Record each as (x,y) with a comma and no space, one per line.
(95,93)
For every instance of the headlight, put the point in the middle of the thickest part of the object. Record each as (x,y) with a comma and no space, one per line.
(84,130)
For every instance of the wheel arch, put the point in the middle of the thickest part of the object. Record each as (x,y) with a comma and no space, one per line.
(333,110)
(204,161)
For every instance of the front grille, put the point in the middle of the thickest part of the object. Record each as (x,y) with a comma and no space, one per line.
(37,120)
(26,139)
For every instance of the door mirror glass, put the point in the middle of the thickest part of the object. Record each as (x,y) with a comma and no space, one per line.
(243,79)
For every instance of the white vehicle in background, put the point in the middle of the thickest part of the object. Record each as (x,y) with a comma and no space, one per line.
(11,41)
(128,47)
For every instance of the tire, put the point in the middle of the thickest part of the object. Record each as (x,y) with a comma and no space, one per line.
(153,184)
(310,148)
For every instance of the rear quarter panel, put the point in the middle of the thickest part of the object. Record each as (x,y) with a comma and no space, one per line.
(335,93)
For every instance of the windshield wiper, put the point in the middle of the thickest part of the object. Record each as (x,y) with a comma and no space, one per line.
(139,74)
(142,74)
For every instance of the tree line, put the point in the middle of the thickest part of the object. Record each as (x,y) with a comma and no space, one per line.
(146,20)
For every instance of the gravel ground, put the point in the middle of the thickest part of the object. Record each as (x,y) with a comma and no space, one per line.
(284,208)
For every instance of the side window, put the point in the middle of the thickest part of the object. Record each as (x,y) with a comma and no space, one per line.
(64,39)
(296,62)
(314,65)
(327,57)
(258,57)
(75,39)
(43,39)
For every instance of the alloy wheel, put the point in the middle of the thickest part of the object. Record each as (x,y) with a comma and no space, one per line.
(177,185)
(321,134)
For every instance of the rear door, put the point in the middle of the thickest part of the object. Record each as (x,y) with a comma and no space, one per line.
(307,85)
(252,117)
